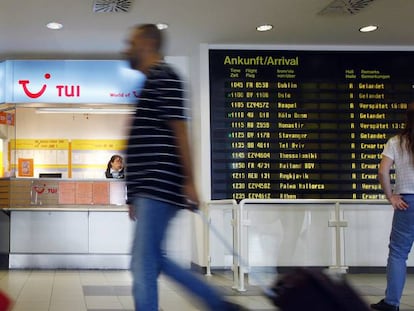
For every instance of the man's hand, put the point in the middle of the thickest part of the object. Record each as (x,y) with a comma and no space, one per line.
(192,196)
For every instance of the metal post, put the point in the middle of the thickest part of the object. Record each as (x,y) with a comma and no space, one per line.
(337,223)
(236,264)
(241,287)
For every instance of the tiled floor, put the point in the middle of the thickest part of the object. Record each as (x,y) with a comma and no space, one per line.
(100,290)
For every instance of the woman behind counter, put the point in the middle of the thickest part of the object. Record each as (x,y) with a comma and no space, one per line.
(115,168)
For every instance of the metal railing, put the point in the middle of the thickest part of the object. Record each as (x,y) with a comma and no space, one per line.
(233,206)
(240,222)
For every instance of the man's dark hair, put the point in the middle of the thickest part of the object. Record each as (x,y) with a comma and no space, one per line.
(151,31)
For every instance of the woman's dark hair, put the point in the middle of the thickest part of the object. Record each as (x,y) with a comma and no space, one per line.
(407,134)
(108,167)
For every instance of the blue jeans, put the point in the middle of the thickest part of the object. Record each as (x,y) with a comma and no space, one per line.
(149,258)
(401,241)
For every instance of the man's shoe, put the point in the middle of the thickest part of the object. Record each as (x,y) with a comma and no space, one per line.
(383,306)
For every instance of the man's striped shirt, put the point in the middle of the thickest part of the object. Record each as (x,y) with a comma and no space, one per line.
(153,165)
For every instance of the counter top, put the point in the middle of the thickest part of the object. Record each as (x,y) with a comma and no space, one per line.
(61,194)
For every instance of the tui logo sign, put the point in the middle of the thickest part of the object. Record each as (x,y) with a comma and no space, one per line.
(61,89)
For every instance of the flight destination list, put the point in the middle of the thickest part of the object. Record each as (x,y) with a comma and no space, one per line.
(304,124)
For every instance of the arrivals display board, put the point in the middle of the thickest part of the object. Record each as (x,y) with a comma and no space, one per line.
(304,124)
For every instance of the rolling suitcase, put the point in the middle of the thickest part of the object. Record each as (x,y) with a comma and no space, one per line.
(310,289)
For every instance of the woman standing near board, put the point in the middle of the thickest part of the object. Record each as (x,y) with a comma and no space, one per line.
(115,167)
(398,151)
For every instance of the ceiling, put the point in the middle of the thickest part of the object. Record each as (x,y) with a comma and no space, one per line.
(102,35)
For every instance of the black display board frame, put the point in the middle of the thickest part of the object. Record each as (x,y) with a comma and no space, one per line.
(303,124)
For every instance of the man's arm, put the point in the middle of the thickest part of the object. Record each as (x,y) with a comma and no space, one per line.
(179,128)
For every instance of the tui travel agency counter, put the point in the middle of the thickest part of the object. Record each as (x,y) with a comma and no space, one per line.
(65,118)
(65,224)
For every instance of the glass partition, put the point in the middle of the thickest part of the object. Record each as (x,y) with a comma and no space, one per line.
(272,236)
(7,137)
(67,141)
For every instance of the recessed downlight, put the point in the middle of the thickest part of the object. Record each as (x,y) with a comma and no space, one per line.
(162,26)
(265,27)
(54,25)
(368,28)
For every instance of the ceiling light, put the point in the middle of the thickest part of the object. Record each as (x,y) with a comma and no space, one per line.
(162,26)
(54,25)
(368,28)
(265,27)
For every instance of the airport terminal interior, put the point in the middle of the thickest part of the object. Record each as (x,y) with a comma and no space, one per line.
(291,105)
